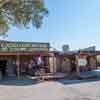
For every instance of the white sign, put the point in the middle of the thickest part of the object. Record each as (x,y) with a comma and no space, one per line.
(82,62)
(39,61)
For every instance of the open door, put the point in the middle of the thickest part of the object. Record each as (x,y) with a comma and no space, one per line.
(3,66)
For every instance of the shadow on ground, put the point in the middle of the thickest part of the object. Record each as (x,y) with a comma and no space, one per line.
(70,82)
(17,82)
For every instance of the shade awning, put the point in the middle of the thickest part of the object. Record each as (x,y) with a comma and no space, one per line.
(24,53)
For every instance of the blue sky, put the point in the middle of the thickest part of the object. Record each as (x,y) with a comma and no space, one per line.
(73,22)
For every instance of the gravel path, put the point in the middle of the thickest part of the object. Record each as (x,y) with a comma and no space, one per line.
(51,91)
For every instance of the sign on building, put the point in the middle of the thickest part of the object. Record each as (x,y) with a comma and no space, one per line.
(82,62)
(23,46)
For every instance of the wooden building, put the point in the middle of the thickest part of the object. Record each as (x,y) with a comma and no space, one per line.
(75,61)
(18,53)
(12,52)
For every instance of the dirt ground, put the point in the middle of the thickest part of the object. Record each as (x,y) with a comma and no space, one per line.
(53,90)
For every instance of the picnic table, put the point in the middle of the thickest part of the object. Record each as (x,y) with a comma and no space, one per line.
(49,76)
(53,76)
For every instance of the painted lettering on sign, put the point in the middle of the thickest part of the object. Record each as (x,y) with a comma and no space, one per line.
(21,46)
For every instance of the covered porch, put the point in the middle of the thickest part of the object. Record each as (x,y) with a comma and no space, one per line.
(14,63)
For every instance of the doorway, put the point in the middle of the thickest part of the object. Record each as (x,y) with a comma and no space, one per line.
(73,64)
(3,66)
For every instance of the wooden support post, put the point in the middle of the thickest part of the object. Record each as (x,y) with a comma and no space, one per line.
(78,70)
(18,66)
(53,64)
(48,63)
(77,66)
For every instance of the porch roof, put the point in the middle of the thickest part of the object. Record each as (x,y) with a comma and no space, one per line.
(78,52)
(24,53)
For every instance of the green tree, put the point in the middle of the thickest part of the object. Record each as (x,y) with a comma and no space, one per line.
(21,13)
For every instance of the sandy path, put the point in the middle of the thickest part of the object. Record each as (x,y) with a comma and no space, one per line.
(51,91)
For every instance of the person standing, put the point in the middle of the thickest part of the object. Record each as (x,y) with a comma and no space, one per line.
(41,71)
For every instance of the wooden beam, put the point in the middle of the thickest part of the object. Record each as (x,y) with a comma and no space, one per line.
(18,66)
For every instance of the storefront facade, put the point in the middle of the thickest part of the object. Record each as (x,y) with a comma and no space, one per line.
(20,53)
(16,56)
(86,61)
(75,62)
